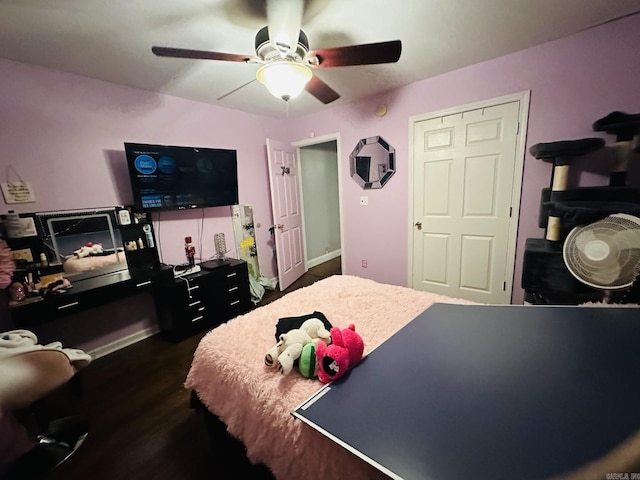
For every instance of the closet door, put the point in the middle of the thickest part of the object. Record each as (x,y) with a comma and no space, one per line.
(464,166)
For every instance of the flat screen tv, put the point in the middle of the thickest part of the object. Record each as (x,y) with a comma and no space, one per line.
(165,177)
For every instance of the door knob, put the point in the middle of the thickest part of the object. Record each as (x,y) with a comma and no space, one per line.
(280,226)
(419,225)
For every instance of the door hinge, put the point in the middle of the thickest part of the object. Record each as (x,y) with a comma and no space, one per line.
(510,211)
(504,286)
(518,129)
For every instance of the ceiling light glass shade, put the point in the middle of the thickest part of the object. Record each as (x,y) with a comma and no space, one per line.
(284,79)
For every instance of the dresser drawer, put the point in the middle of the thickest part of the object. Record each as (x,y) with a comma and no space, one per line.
(196,310)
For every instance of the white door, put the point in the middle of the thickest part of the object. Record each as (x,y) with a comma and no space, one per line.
(287,215)
(463,184)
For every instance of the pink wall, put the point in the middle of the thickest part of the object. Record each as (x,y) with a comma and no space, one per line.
(573,82)
(65,134)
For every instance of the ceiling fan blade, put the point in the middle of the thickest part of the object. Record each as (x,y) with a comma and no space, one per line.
(202,54)
(321,90)
(366,54)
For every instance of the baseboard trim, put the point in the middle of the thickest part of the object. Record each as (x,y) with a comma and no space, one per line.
(105,350)
(323,258)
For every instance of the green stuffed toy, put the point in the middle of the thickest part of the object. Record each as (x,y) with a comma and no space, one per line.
(286,353)
(307,361)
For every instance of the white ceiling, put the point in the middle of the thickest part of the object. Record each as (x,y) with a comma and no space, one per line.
(111,40)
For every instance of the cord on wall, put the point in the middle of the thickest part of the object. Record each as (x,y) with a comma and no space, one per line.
(201,233)
(158,242)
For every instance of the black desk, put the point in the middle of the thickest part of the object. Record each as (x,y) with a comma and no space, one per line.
(489,392)
(90,289)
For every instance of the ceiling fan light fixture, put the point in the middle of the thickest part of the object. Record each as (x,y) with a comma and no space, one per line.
(284,79)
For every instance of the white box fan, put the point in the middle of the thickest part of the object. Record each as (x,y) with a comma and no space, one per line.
(605,254)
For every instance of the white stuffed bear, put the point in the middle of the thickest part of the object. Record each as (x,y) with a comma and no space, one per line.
(316,329)
(89,249)
(288,349)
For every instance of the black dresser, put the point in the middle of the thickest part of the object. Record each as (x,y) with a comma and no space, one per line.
(203,300)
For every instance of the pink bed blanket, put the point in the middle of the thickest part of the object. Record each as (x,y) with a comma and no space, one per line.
(229,376)
(74,264)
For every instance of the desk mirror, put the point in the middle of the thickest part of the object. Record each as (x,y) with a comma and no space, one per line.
(82,240)
(99,240)
(373,162)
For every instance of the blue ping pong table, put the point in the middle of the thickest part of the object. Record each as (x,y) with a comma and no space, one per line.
(489,392)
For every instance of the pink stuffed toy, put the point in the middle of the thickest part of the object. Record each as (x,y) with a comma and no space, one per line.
(345,351)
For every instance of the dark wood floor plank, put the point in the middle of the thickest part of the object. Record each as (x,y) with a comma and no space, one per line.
(141,423)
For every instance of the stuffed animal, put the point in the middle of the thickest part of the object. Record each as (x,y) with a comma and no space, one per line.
(345,351)
(290,345)
(89,249)
(289,323)
(316,329)
(307,361)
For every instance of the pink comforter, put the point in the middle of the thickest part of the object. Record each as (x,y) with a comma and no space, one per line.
(230,378)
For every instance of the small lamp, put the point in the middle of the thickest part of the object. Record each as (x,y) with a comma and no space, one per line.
(284,79)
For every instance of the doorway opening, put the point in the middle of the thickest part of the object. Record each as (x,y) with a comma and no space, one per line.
(305,234)
(320,199)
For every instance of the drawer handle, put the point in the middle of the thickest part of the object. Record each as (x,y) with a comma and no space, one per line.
(232,274)
(195,287)
(193,304)
(68,305)
(234,303)
(201,309)
(199,317)
(143,284)
(233,289)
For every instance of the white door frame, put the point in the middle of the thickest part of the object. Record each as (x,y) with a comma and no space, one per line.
(523,97)
(307,143)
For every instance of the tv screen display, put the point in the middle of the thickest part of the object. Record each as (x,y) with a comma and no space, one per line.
(174,178)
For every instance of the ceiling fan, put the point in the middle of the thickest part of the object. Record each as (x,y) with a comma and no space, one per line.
(286,65)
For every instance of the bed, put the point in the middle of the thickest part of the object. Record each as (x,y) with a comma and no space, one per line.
(74,264)
(229,377)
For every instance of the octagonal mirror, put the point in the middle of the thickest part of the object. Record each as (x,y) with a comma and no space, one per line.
(373,162)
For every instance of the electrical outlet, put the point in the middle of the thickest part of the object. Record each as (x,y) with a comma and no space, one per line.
(364,200)
(364,264)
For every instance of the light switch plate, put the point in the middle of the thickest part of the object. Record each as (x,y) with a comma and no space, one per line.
(364,200)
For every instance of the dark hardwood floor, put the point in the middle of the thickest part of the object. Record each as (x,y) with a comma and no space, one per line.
(141,422)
